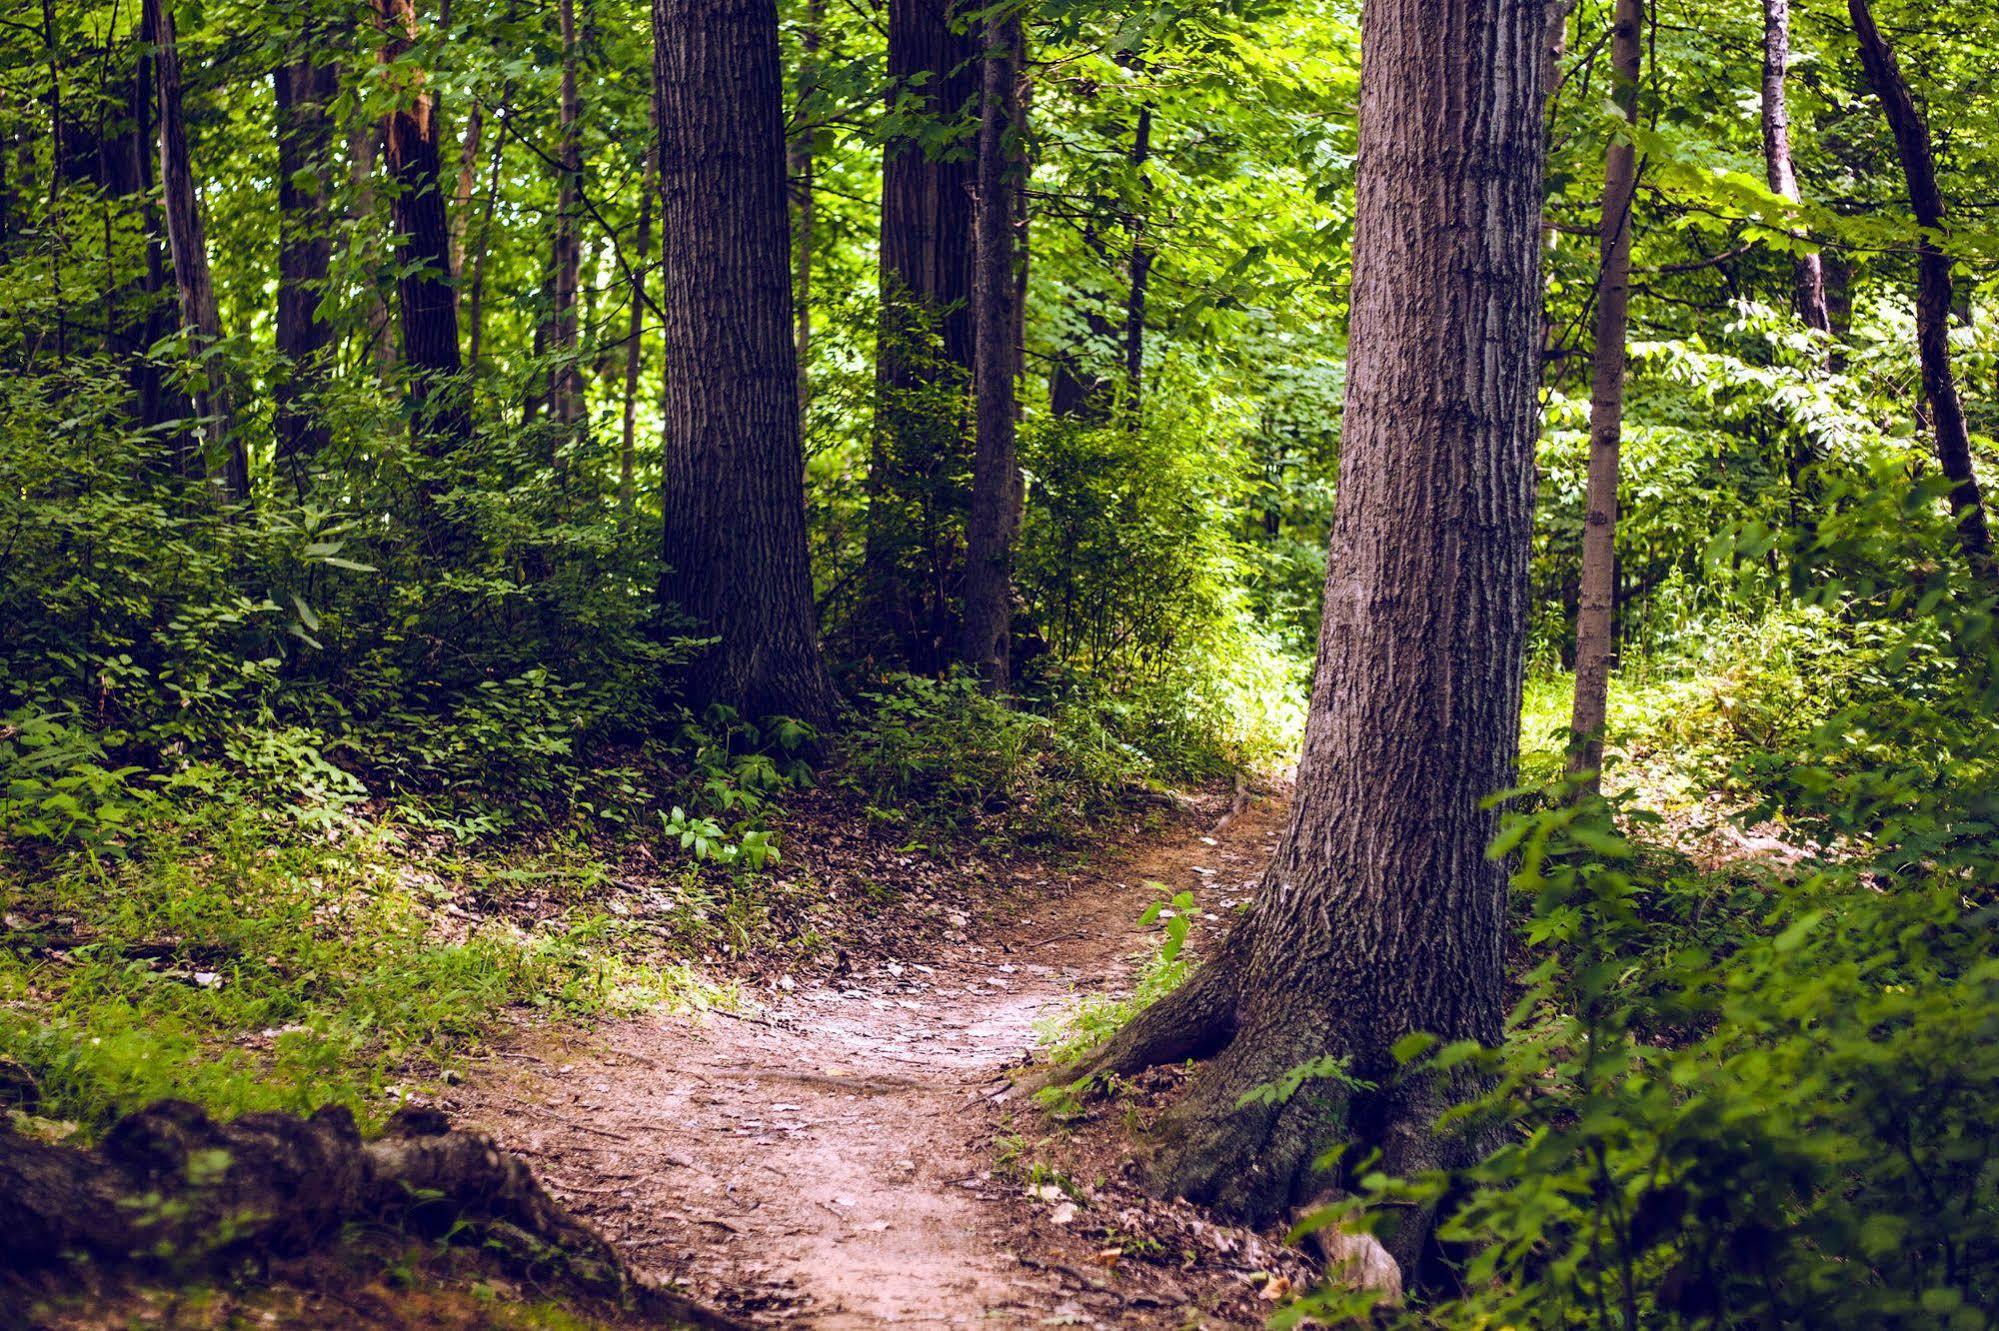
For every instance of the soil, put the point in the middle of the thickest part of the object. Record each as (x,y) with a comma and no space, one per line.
(853,1153)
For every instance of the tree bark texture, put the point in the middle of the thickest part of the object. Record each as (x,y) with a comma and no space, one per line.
(429,302)
(1380,914)
(925,345)
(996,489)
(305,87)
(1596,608)
(187,242)
(734,493)
(1933,288)
(1808,273)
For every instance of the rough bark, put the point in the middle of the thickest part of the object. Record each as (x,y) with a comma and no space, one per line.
(1808,273)
(926,281)
(187,241)
(279,1185)
(1933,288)
(1380,913)
(305,86)
(733,496)
(1596,610)
(995,502)
(428,302)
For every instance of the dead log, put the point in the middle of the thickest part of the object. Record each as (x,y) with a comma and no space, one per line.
(171,1190)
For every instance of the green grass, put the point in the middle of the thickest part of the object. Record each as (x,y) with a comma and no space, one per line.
(247,969)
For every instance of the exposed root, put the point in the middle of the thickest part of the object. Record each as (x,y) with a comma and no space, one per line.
(169,1188)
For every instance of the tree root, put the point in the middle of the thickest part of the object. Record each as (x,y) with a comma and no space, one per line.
(170,1189)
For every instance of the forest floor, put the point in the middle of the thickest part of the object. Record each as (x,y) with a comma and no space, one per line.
(854,1154)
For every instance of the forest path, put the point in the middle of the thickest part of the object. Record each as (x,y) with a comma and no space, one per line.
(828,1162)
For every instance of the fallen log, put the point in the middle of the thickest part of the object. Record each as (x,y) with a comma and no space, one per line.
(170,1190)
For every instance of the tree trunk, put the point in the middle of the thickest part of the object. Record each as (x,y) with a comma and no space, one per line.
(995,504)
(187,241)
(926,279)
(1380,913)
(1809,271)
(565,381)
(363,151)
(1596,613)
(442,420)
(1933,288)
(1140,267)
(634,343)
(468,170)
(304,89)
(477,298)
(802,159)
(734,495)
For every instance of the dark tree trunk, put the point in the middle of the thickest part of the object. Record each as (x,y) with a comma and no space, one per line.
(304,89)
(926,287)
(1140,262)
(1380,913)
(995,504)
(429,302)
(734,492)
(187,240)
(1933,287)
(1597,612)
(1808,274)
(802,157)
(565,380)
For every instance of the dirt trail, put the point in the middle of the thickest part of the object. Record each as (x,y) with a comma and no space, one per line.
(828,1163)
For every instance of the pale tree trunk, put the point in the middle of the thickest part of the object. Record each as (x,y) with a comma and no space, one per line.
(565,388)
(1380,913)
(733,497)
(468,170)
(995,503)
(476,297)
(363,152)
(1933,288)
(1596,610)
(1808,273)
(187,241)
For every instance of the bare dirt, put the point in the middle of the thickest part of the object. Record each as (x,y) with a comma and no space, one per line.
(837,1158)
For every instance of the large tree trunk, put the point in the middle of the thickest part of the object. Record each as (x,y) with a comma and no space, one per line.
(925,340)
(304,88)
(734,491)
(1596,612)
(1380,913)
(429,302)
(187,241)
(1809,271)
(1933,287)
(565,383)
(995,504)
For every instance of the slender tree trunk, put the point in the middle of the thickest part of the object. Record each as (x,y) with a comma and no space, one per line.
(187,239)
(635,343)
(995,505)
(1140,267)
(477,314)
(363,151)
(305,87)
(565,386)
(734,496)
(1933,288)
(926,277)
(468,170)
(1380,913)
(429,302)
(1596,614)
(1809,271)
